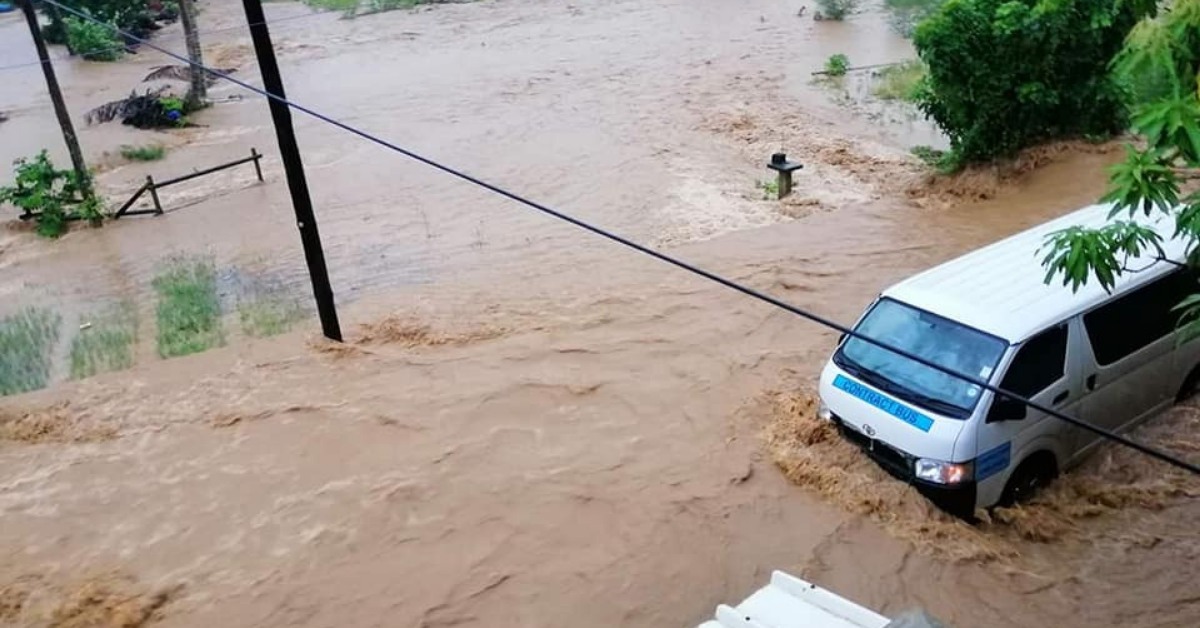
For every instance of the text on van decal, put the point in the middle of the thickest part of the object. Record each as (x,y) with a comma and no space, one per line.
(993,461)
(887,404)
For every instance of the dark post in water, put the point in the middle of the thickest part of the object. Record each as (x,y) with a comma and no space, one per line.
(289,151)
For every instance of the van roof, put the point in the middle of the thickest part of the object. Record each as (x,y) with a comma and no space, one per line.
(1000,288)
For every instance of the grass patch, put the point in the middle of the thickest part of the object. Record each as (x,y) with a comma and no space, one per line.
(27,349)
(900,82)
(769,188)
(189,309)
(107,344)
(945,162)
(152,152)
(353,8)
(269,316)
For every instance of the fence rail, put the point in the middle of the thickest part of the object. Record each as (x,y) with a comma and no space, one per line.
(153,186)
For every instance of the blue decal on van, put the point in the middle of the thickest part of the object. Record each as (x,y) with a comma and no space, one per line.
(993,461)
(887,404)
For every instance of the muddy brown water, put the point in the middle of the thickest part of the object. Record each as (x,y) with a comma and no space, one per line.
(534,427)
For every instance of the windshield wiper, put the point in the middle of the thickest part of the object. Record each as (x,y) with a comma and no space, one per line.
(933,403)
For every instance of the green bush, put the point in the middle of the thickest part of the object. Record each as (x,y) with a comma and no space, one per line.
(836,9)
(1007,74)
(92,41)
(42,191)
(837,65)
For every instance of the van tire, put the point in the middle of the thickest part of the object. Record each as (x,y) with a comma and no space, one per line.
(1191,384)
(1031,476)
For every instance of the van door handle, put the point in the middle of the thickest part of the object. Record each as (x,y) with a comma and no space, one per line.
(1091,382)
(1061,397)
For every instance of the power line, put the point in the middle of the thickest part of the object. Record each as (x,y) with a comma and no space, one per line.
(678,263)
(26,64)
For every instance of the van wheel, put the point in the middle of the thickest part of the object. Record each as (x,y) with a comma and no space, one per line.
(1190,386)
(1032,476)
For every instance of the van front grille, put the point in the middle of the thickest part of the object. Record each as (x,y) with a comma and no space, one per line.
(894,461)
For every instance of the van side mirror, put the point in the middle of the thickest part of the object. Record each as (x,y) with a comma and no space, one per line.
(1005,409)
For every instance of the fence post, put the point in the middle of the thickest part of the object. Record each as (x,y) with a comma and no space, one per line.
(257,168)
(154,194)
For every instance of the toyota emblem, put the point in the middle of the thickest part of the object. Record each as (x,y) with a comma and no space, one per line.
(870,431)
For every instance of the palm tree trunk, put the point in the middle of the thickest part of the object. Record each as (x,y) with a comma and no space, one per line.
(197,92)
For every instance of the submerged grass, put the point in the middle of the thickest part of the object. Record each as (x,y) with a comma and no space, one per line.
(189,309)
(107,344)
(269,315)
(353,8)
(899,82)
(152,152)
(26,349)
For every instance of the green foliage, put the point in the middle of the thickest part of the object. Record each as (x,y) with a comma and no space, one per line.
(107,344)
(900,82)
(836,9)
(189,309)
(42,191)
(837,65)
(152,152)
(1007,74)
(92,41)
(26,349)
(770,189)
(1160,64)
(940,160)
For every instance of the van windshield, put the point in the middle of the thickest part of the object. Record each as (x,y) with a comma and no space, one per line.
(941,341)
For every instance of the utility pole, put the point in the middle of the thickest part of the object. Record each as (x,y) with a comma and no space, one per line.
(289,151)
(197,91)
(60,107)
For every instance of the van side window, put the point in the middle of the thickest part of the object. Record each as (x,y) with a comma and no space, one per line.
(1041,361)
(1119,329)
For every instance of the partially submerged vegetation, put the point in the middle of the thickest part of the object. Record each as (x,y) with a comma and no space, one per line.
(189,309)
(900,82)
(105,342)
(50,196)
(837,65)
(356,8)
(151,152)
(27,341)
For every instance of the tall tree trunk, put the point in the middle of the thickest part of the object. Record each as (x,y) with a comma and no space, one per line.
(197,92)
(56,98)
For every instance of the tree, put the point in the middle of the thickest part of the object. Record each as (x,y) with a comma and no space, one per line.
(1159,66)
(1007,74)
(197,90)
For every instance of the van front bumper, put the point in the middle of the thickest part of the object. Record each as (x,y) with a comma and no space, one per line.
(956,499)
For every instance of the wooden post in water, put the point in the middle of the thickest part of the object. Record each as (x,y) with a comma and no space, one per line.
(293,166)
(60,107)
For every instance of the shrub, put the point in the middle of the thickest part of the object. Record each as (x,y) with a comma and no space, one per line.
(42,191)
(1006,74)
(837,65)
(92,41)
(836,9)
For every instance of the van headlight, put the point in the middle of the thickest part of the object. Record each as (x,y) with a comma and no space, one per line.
(940,472)
(823,412)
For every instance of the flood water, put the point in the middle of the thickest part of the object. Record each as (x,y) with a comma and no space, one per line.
(532,426)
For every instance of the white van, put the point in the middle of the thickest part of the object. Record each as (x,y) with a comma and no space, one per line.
(1111,360)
